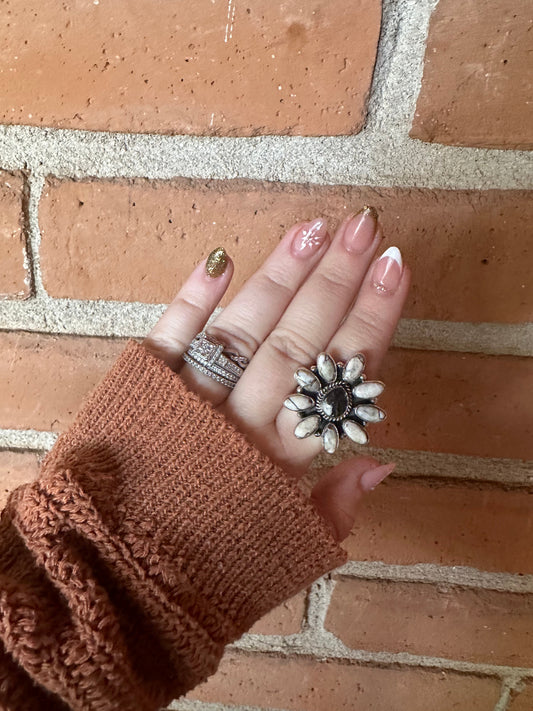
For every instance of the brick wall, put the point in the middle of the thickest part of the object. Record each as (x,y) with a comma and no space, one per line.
(137,135)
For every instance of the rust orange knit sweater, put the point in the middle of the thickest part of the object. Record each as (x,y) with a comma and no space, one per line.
(155,535)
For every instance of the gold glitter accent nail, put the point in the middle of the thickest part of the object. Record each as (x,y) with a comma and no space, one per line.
(369,210)
(216,263)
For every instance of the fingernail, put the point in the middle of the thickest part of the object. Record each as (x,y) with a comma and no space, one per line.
(373,477)
(387,271)
(361,230)
(309,237)
(216,263)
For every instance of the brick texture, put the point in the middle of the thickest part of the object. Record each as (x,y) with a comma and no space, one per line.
(285,619)
(463,403)
(138,240)
(523,701)
(498,423)
(14,276)
(223,68)
(446,524)
(311,685)
(44,378)
(476,89)
(16,468)
(470,625)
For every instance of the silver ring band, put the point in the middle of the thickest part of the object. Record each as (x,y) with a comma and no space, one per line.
(213,358)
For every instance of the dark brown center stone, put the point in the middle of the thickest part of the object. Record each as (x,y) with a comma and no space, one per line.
(335,403)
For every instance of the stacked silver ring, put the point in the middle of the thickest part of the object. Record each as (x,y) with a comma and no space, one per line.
(213,358)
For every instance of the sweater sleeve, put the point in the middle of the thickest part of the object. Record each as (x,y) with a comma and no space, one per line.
(155,535)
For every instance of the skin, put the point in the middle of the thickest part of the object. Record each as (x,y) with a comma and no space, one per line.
(299,303)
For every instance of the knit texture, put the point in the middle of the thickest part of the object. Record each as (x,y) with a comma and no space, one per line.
(156,534)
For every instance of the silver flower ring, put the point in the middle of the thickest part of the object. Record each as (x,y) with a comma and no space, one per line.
(335,400)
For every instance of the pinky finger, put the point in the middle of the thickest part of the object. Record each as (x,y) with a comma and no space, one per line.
(338,494)
(190,310)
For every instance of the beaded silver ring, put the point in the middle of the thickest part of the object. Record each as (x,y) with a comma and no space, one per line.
(212,357)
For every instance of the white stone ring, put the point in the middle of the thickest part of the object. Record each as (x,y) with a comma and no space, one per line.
(334,400)
(212,357)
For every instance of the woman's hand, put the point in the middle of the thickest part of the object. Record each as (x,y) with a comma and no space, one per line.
(314,293)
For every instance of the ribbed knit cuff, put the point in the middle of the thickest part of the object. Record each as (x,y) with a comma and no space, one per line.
(192,498)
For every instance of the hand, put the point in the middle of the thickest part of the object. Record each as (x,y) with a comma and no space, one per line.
(314,293)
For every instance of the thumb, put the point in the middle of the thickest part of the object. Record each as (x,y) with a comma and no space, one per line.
(339,492)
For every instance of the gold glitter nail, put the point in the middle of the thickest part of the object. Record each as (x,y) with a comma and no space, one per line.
(369,210)
(216,263)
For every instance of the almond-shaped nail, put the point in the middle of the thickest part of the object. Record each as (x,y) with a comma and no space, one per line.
(216,263)
(361,230)
(373,477)
(387,271)
(309,238)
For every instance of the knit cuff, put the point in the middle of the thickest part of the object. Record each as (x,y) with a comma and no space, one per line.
(192,498)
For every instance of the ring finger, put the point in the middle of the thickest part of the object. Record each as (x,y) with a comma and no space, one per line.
(255,310)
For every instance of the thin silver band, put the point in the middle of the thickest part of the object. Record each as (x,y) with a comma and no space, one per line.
(212,358)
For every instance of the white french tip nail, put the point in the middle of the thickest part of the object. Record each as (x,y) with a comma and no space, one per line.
(394,253)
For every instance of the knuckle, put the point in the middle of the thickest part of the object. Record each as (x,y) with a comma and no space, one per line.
(233,336)
(292,346)
(272,282)
(331,284)
(189,307)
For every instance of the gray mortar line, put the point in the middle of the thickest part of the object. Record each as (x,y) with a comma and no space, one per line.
(44,314)
(441,465)
(440,575)
(190,705)
(409,463)
(327,646)
(382,154)
(510,685)
(27,440)
(505,696)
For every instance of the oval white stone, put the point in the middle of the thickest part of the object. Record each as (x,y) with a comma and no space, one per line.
(326,367)
(355,432)
(307,380)
(369,389)
(330,438)
(353,368)
(297,401)
(370,413)
(307,426)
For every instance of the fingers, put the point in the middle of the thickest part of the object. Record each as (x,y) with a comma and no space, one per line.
(312,318)
(338,494)
(189,311)
(252,314)
(370,325)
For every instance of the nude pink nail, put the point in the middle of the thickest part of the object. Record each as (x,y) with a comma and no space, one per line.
(373,477)
(361,230)
(309,237)
(387,271)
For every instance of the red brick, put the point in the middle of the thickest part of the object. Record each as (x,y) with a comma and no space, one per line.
(464,624)
(312,685)
(43,379)
(222,68)
(471,418)
(16,468)
(523,701)
(464,403)
(284,619)
(14,276)
(476,88)
(449,524)
(160,230)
